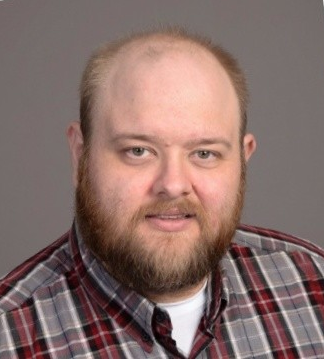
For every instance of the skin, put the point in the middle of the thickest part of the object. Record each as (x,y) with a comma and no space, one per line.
(165,128)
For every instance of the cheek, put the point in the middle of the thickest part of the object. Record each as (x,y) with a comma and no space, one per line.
(120,188)
(220,191)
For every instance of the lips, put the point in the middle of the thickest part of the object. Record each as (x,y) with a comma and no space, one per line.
(170,221)
(171,216)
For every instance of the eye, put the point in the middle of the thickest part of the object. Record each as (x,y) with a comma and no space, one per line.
(138,154)
(205,158)
(204,154)
(137,151)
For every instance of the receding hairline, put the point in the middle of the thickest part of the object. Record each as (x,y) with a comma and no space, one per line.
(156,44)
(150,50)
(152,45)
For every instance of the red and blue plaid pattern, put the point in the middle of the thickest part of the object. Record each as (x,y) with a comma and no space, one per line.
(265,301)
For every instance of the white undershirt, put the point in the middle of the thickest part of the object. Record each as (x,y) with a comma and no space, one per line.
(185,317)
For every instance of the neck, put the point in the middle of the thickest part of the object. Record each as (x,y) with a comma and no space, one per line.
(178,296)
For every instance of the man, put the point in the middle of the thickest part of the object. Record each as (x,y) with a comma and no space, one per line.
(155,265)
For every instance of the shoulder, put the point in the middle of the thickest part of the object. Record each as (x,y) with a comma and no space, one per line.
(278,258)
(35,274)
(269,240)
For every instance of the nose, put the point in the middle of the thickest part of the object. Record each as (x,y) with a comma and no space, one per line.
(173,180)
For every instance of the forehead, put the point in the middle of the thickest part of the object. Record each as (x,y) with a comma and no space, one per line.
(160,77)
(140,59)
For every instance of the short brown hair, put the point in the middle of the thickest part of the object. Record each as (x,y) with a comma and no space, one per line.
(103,58)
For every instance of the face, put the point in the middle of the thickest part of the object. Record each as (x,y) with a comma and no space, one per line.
(161,186)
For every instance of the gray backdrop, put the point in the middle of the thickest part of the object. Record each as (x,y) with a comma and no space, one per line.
(44,45)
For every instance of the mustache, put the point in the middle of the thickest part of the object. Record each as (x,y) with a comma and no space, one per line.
(180,206)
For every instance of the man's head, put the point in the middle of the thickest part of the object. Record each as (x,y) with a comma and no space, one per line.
(159,159)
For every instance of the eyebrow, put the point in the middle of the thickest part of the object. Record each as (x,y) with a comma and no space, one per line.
(155,139)
(210,141)
(133,136)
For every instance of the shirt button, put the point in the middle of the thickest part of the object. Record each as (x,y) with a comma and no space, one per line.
(160,317)
(146,338)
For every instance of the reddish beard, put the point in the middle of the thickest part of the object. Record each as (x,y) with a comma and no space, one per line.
(163,267)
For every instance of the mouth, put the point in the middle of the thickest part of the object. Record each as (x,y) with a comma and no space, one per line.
(171,216)
(170,221)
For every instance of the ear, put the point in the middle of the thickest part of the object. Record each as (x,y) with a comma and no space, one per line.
(76,145)
(249,146)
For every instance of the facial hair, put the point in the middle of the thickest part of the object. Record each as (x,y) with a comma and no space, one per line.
(112,236)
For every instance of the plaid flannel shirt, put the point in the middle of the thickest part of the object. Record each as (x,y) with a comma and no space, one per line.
(265,301)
